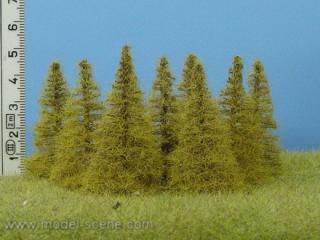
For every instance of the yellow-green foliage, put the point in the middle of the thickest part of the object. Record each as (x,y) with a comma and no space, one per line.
(189,64)
(203,161)
(184,86)
(126,158)
(52,103)
(185,141)
(75,142)
(250,151)
(233,98)
(244,125)
(260,94)
(163,108)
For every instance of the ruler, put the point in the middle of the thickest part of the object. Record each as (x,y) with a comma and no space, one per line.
(12,88)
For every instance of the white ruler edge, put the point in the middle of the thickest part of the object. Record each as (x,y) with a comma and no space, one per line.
(13,131)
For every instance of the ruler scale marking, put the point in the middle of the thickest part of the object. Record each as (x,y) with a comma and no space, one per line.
(13,132)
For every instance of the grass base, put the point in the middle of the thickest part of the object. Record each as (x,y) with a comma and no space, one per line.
(286,208)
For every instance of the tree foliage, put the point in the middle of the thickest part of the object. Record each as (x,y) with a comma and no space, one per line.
(244,125)
(185,140)
(75,142)
(187,75)
(126,158)
(203,159)
(52,103)
(260,94)
(163,108)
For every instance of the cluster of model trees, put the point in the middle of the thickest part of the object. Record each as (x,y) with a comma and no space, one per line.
(182,139)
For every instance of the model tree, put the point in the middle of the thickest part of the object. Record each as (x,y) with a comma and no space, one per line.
(163,108)
(203,161)
(260,94)
(126,158)
(52,103)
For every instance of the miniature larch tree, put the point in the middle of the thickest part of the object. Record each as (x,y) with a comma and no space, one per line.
(126,158)
(260,94)
(163,108)
(52,103)
(203,161)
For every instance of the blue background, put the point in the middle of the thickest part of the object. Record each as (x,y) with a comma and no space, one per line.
(284,34)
